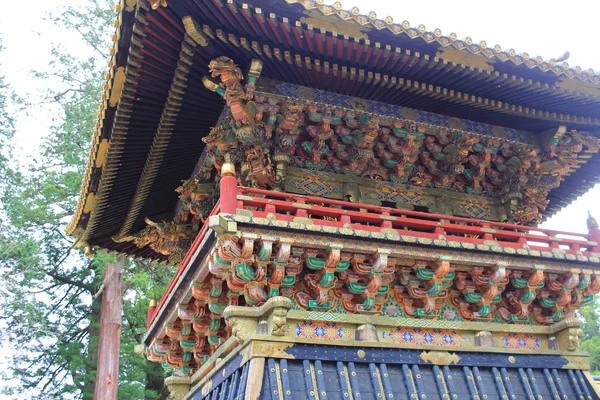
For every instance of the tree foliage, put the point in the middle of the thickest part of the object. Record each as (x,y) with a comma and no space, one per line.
(7,123)
(50,311)
(591,334)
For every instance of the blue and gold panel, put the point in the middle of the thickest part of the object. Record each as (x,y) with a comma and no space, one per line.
(523,341)
(476,209)
(413,356)
(314,186)
(322,330)
(229,383)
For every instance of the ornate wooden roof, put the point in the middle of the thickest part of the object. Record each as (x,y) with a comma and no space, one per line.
(154,108)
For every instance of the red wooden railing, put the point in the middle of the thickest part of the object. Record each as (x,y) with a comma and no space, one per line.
(336,213)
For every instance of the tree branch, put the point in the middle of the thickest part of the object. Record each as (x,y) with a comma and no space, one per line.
(94,46)
(59,96)
(69,281)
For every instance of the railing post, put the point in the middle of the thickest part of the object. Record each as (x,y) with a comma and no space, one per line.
(345,218)
(387,224)
(151,312)
(594,232)
(270,208)
(228,187)
(486,229)
(439,230)
(300,212)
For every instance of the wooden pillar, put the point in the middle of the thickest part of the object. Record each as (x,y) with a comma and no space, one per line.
(107,373)
(228,187)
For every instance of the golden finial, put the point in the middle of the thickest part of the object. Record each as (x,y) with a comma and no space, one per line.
(153,303)
(228,168)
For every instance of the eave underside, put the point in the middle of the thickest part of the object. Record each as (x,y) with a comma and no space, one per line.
(151,61)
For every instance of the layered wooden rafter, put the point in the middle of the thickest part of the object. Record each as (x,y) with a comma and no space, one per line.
(315,28)
(467,45)
(166,126)
(110,96)
(321,71)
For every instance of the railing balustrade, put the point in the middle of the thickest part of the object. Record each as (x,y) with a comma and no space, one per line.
(337,213)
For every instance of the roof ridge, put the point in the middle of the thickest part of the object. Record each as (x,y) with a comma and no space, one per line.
(466,44)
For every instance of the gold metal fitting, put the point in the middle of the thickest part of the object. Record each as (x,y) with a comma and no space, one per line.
(153,303)
(228,168)
(210,85)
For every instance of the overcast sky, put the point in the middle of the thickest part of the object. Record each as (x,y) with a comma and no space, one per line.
(545,28)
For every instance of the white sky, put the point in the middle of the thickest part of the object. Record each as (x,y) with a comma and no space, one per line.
(545,28)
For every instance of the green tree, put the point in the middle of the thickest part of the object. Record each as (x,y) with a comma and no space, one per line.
(51,305)
(591,334)
(7,122)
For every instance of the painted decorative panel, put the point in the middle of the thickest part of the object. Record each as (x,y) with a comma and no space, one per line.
(476,209)
(315,186)
(339,186)
(322,330)
(425,336)
(513,340)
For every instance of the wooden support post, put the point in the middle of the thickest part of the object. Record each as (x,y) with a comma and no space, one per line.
(107,372)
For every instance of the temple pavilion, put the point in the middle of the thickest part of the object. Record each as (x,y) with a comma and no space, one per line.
(352,203)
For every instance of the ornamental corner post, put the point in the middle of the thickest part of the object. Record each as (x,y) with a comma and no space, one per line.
(228,187)
(107,372)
